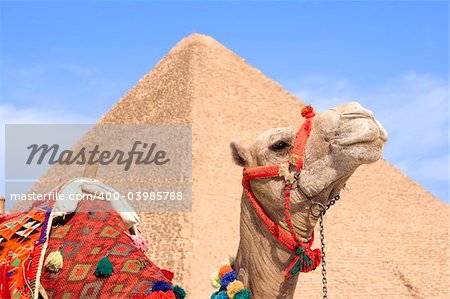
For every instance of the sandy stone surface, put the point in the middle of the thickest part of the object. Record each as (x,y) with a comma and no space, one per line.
(386,238)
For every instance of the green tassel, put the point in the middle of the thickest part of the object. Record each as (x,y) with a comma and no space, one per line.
(303,259)
(179,292)
(243,294)
(104,268)
(54,261)
(296,269)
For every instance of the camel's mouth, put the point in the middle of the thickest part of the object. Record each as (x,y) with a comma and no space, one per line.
(368,131)
(378,141)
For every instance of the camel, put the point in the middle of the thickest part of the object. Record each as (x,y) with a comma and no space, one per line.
(341,139)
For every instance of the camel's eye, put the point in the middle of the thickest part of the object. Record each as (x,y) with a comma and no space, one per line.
(279,146)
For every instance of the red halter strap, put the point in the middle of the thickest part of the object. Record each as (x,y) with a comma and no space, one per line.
(301,139)
(305,259)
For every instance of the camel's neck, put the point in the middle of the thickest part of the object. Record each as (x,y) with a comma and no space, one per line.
(261,260)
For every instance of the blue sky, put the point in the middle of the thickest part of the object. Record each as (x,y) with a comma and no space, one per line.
(69,62)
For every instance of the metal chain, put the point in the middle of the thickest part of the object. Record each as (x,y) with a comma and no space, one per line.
(322,243)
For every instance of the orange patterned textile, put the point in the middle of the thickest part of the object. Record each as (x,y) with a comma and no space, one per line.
(22,242)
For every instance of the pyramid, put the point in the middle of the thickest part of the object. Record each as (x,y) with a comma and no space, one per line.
(386,238)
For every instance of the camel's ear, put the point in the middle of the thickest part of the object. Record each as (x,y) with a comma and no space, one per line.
(241,155)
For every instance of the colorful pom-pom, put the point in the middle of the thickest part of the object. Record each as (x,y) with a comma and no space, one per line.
(234,287)
(229,286)
(179,292)
(221,295)
(224,270)
(104,268)
(243,294)
(162,295)
(140,242)
(228,278)
(215,280)
(167,274)
(308,111)
(161,285)
(155,295)
(54,261)
(229,261)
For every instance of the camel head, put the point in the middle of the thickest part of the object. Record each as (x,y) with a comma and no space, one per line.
(341,139)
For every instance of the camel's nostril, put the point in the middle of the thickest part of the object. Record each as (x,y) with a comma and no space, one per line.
(360,113)
(355,110)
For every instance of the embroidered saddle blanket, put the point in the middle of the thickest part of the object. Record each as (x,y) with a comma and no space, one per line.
(86,237)
(23,238)
(90,231)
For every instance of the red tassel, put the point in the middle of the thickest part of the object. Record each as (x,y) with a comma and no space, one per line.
(308,111)
(162,295)
(167,274)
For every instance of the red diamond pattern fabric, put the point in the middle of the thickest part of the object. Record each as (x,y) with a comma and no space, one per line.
(87,236)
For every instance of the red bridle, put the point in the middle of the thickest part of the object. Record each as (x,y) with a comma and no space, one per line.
(305,259)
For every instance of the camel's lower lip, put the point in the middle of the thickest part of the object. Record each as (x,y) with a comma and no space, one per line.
(366,141)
